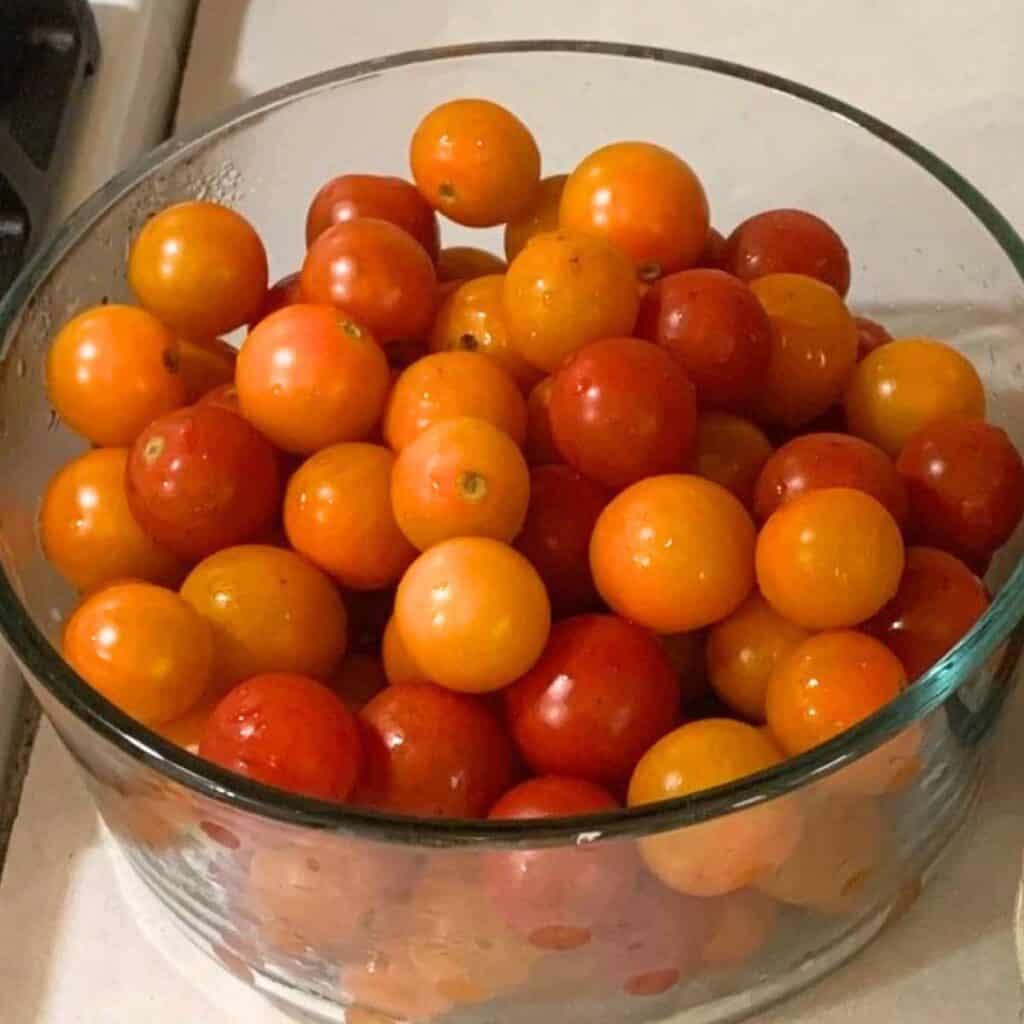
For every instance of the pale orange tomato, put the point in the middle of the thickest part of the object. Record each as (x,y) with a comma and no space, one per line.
(399,666)
(539,216)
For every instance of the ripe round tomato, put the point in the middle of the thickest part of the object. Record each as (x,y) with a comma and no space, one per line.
(673,553)
(88,532)
(271,611)
(444,385)
(143,648)
(966,485)
(351,196)
(715,326)
(643,199)
(205,365)
(337,513)
(813,462)
(787,242)
(730,451)
(713,252)
(814,348)
(475,162)
(870,335)
(460,478)
(458,263)
(398,664)
(742,653)
(539,217)
(286,292)
(938,601)
(111,370)
(564,290)
(308,377)
(288,731)
(621,410)
(906,385)
(432,752)
(540,445)
(602,692)
(201,479)
(374,273)
(455,608)
(200,267)
(829,558)
(728,853)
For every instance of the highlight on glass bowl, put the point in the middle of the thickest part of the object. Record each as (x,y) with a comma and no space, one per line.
(524,531)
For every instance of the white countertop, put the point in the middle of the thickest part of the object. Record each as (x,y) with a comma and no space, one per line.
(79,944)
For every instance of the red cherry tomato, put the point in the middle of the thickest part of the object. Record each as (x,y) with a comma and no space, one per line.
(286,292)
(870,335)
(623,409)
(602,692)
(201,479)
(287,731)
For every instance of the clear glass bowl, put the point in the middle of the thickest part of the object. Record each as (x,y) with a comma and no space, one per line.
(323,906)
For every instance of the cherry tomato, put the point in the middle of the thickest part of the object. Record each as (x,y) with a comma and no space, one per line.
(444,385)
(539,217)
(564,290)
(271,611)
(742,653)
(337,513)
(814,348)
(621,410)
(602,692)
(673,553)
(111,370)
(458,263)
(186,730)
(742,923)
(907,384)
(205,365)
(643,199)
(717,329)
(432,752)
(200,267)
(540,445)
(730,451)
(870,335)
(87,529)
(966,485)
(308,377)
(813,462)
(475,162)
(460,478)
(557,897)
(787,242)
(143,648)
(286,292)
(201,479)
(938,601)
(455,610)
(728,853)
(829,558)
(288,731)
(398,664)
(225,396)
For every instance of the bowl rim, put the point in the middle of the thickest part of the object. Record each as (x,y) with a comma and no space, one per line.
(42,662)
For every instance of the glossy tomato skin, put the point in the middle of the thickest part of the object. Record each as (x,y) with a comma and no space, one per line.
(287,731)
(285,292)
(539,216)
(432,752)
(202,479)
(730,451)
(966,485)
(870,335)
(602,692)
(350,196)
(375,273)
(458,263)
(716,327)
(540,445)
(621,410)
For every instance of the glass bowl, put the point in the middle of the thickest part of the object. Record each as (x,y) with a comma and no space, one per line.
(325,907)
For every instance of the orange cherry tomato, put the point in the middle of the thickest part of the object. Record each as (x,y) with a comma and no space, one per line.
(200,267)
(143,648)
(460,478)
(870,335)
(337,512)
(566,289)
(398,664)
(829,558)
(445,385)
(206,365)
(906,385)
(730,451)
(458,263)
(271,611)
(643,199)
(475,162)
(309,377)
(673,553)
(815,347)
(540,216)
(88,532)
(455,610)
(186,730)
(111,370)
(540,444)
(720,856)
